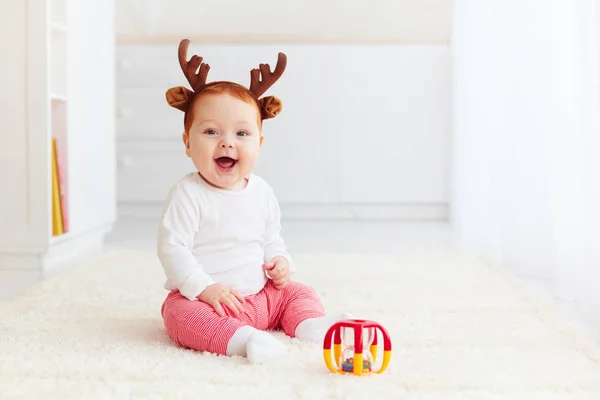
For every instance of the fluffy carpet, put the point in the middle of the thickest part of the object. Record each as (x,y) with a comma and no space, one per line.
(461,329)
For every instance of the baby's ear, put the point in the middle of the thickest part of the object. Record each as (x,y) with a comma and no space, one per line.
(270,106)
(179,97)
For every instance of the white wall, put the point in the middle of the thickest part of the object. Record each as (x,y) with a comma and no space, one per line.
(407,21)
(526,112)
(503,87)
(92,125)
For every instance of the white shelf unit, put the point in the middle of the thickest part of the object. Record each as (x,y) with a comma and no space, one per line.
(59,69)
(59,102)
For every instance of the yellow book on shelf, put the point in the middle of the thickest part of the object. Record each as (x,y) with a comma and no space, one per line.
(57,219)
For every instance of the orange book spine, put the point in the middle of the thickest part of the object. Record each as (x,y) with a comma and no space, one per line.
(62,192)
(57,220)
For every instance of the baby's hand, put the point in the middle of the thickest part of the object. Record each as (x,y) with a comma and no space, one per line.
(217,295)
(278,269)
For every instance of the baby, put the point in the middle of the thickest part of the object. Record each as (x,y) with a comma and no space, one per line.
(228,270)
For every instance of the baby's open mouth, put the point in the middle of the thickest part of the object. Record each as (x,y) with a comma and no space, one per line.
(225,163)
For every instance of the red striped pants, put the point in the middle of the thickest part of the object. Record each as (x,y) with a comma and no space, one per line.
(196,325)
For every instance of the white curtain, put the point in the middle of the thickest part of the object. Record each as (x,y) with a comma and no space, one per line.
(526,176)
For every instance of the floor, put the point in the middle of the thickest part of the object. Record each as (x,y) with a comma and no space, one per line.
(458,330)
(309,237)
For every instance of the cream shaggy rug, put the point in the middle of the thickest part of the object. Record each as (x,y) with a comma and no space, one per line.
(460,330)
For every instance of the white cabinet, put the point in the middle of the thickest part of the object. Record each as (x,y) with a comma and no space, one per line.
(58,83)
(148,169)
(363,127)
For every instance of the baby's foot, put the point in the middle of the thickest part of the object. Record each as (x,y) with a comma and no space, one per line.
(314,329)
(262,347)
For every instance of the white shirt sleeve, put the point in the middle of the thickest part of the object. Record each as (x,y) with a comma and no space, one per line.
(175,241)
(273,244)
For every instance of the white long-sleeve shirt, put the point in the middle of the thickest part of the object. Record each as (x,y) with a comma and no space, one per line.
(208,235)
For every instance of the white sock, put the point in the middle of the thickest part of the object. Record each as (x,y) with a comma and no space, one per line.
(237,343)
(257,346)
(314,329)
(263,347)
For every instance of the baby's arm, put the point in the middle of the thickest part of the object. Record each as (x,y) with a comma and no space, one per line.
(273,244)
(175,241)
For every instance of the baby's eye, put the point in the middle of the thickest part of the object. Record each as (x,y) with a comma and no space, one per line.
(242,133)
(210,132)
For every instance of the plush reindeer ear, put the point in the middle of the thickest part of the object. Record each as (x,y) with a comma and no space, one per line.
(270,106)
(179,97)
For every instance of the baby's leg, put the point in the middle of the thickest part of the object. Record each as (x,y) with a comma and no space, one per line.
(302,313)
(196,325)
(314,329)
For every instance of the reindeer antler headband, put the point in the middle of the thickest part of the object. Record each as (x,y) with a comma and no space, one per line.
(181,98)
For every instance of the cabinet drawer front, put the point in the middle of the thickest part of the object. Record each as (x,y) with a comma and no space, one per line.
(380,139)
(147,171)
(146,66)
(144,114)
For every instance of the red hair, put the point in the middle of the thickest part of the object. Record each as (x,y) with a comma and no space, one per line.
(218,88)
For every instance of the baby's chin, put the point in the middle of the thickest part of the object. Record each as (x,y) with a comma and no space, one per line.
(226,181)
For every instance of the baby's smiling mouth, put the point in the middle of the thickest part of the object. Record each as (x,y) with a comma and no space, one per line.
(225,164)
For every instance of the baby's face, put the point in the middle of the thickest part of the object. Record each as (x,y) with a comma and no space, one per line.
(224,140)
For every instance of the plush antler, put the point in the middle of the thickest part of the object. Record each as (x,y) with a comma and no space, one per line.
(181,97)
(257,86)
(196,80)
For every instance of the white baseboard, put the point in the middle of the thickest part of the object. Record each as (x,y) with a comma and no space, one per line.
(366,212)
(358,212)
(59,254)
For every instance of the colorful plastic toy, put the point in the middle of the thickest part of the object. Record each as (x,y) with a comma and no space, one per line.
(355,347)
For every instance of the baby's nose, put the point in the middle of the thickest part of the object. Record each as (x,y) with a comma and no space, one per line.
(227,143)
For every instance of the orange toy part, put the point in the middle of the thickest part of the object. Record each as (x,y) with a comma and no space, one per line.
(357,364)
